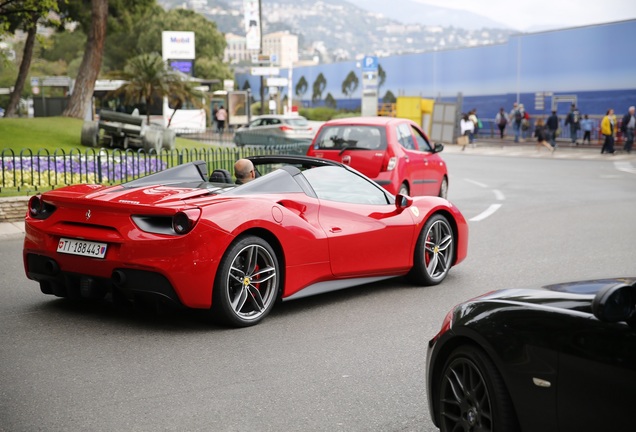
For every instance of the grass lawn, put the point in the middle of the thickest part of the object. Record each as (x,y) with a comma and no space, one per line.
(52,133)
(47,134)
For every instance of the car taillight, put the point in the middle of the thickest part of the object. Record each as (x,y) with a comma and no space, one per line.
(184,221)
(285,128)
(38,209)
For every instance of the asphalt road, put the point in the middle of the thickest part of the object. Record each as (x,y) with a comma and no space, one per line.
(347,361)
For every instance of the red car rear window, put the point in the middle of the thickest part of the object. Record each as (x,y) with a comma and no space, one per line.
(349,136)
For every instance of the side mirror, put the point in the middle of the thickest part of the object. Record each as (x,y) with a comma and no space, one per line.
(403,201)
(438,148)
(615,303)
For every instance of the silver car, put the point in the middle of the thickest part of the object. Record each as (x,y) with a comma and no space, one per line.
(274,129)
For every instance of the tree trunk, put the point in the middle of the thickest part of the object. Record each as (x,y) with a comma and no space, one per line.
(25,65)
(91,62)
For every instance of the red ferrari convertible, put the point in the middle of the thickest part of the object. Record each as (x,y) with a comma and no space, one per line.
(302,227)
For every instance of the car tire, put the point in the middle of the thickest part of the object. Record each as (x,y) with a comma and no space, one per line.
(471,395)
(246,283)
(404,189)
(443,188)
(434,252)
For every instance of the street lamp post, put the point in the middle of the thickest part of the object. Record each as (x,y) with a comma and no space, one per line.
(260,29)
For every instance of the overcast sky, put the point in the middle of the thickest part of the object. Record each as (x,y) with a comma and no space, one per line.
(533,14)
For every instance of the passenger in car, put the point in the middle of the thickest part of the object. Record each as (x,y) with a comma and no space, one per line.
(244,171)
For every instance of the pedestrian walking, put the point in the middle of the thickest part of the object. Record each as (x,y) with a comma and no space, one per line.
(587,125)
(516,116)
(608,128)
(467,127)
(221,117)
(472,116)
(552,126)
(540,135)
(501,119)
(627,127)
(573,119)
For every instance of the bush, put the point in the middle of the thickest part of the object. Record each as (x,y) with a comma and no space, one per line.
(319,113)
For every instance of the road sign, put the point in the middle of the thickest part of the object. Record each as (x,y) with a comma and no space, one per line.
(277,82)
(265,71)
(35,81)
(369,64)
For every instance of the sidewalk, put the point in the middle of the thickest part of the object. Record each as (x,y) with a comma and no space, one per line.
(528,148)
(11,230)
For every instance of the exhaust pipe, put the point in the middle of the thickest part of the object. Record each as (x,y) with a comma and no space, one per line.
(119,278)
(51,267)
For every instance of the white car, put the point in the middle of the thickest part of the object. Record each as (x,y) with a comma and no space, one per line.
(274,129)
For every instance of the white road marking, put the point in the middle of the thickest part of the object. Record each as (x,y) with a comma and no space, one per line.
(476,183)
(624,167)
(488,212)
(499,196)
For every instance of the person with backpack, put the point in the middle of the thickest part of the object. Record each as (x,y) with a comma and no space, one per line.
(540,135)
(608,129)
(501,120)
(574,120)
(552,126)
(516,116)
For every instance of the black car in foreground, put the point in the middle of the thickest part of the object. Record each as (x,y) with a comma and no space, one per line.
(558,358)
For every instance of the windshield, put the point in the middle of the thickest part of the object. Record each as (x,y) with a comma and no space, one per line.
(297,121)
(351,136)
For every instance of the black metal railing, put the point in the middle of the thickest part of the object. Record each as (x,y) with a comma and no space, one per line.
(46,169)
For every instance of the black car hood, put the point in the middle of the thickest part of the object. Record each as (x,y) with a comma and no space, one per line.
(570,295)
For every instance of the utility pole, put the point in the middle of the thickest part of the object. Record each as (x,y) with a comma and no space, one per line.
(260,29)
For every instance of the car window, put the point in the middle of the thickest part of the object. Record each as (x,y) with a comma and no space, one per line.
(297,121)
(348,136)
(405,137)
(334,183)
(256,123)
(274,121)
(422,142)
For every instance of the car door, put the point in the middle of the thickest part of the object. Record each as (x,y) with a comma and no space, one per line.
(434,166)
(411,162)
(597,376)
(367,234)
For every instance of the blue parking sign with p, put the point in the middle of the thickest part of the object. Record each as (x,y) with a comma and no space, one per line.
(369,64)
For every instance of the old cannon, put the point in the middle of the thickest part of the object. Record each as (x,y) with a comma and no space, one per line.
(117,129)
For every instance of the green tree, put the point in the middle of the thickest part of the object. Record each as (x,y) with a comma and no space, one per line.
(389,97)
(23,15)
(91,61)
(148,77)
(301,87)
(95,21)
(319,86)
(330,101)
(381,77)
(350,84)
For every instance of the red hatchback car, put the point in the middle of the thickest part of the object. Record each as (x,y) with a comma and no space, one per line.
(393,152)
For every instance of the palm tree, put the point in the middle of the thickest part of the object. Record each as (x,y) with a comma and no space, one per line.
(147,77)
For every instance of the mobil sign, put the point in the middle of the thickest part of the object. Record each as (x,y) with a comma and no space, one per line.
(177,45)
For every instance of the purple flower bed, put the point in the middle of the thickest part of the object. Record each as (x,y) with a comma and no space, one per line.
(64,170)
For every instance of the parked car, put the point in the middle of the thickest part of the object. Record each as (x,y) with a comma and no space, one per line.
(274,129)
(306,227)
(393,152)
(558,358)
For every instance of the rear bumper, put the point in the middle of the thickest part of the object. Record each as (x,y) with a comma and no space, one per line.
(132,283)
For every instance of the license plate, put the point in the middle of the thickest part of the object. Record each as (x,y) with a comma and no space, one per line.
(82,247)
